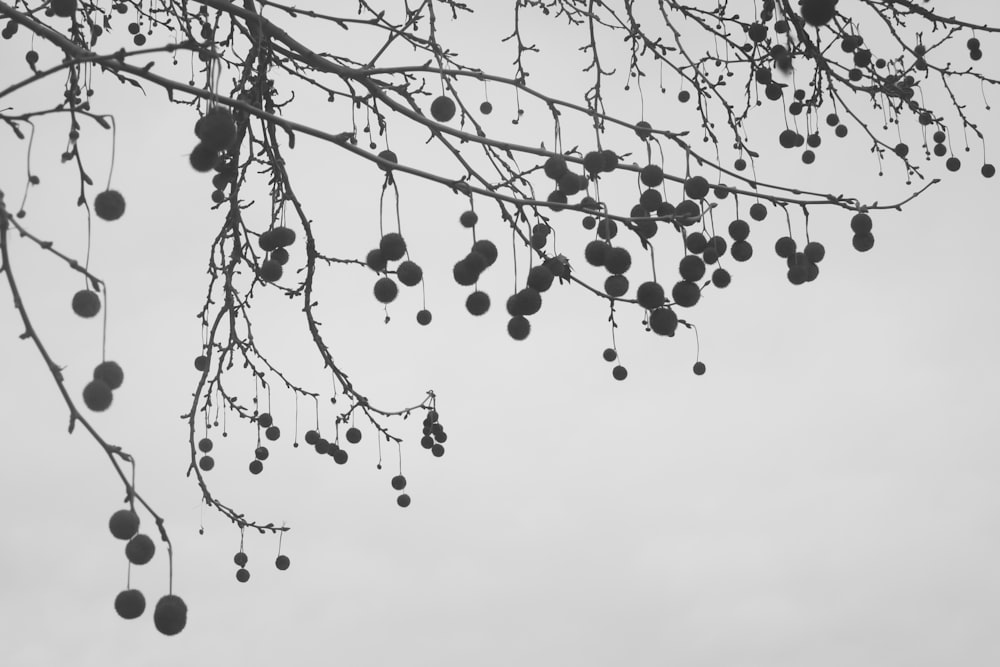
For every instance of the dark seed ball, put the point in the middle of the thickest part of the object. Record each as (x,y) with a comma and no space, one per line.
(861,223)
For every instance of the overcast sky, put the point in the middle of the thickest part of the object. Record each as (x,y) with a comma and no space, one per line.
(825,495)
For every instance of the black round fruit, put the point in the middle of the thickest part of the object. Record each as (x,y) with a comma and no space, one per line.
(130,604)
(409,273)
(124,524)
(170,615)
(140,549)
(663,321)
(393,246)
(86,303)
(109,205)
(650,295)
(443,109)
(477,303)
(861,223)
(518,327)
(692,267)
(385,290)
(696,187)
(468,219)
(686,293)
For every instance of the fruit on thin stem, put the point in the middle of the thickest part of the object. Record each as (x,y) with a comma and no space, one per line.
(65,9)
(140,549)
(393,246)
(817,12)
(477,303)
(204,158)
(124,524)
(130,603)
(409,273)
(86,303)
(109,205)
(97,395)
(518,327)
(110,372)
(216,129)
(170,615)
(443,109)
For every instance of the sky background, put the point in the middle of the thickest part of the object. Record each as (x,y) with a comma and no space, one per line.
(824,495)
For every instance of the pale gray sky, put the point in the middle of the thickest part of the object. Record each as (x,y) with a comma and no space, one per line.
(824,495)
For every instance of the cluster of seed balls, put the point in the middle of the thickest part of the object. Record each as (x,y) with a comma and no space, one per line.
(333,449)
(392,248)
(243,574)
(275,242)
(170,615)
(216,131)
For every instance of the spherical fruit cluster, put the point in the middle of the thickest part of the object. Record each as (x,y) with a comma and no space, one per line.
(477,303)
(140,549)
(434,437)
(65,9)
(217,132)
(109,205)
(130,604)
(975,49)
(618,372)
(467,270)
(861,225)
(817,12)
(201,363)
(170,615)
(390,157)
(443,109)
(86,303)
(392,247)
(568,183)
(98,394)
(663,321)
(124,524)
(323,446)
(206,462)
(803,266)
(520,305)
(276,237)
